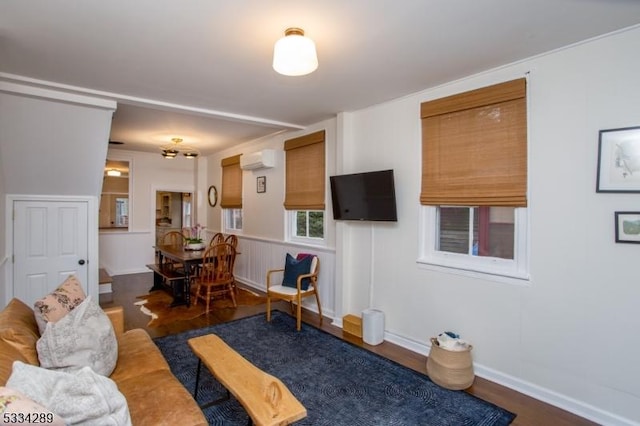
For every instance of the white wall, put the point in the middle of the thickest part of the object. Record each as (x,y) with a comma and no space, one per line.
(568,335)
(51,144)
(262,213)
(62,137)
(129,252)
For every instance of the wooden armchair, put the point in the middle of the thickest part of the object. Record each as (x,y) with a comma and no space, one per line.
(295,287)
(216,274)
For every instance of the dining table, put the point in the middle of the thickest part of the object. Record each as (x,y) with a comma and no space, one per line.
(190,259)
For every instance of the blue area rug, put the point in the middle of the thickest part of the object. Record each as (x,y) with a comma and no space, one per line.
(338,383)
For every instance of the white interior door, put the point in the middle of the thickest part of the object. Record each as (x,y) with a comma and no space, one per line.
(50,242)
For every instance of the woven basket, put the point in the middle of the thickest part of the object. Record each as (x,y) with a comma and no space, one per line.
(450,369)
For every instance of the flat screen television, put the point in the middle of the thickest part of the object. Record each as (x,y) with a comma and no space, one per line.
(364,196)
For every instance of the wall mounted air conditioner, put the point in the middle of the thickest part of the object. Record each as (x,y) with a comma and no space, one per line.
(264,159)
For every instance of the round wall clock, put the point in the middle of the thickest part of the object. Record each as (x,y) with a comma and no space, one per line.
(213,195)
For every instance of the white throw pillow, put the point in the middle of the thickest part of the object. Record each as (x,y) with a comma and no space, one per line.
(80,397)
(82,338)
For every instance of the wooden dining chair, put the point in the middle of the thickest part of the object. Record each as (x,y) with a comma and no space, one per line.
(173,238)
(233,240)
(216,274)
(218,238)
(300,280)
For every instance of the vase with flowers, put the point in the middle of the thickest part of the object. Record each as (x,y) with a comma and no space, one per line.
(194,237)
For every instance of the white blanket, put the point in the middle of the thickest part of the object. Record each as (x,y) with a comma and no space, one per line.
(81,397)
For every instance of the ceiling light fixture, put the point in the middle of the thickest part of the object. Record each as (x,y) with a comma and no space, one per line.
(114,172)
(294,54)
(172,150)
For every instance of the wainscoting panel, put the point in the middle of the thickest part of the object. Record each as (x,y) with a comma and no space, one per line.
(257,256)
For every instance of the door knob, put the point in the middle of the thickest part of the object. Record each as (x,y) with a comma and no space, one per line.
(81,262)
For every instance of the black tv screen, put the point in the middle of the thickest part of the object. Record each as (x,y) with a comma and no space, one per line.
(364,196)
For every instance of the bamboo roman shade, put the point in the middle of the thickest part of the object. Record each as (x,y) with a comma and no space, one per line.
(474,147)
(231,197)
(305,178)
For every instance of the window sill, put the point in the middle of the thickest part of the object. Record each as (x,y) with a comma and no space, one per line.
(114,229)
(513,278)
(231,231)
(308,242)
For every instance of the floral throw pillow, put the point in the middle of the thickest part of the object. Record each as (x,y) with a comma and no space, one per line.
(54,306)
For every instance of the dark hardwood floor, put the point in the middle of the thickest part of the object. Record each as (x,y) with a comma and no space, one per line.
(126,288)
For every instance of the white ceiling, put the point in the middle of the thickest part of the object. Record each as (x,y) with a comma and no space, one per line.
(201,69)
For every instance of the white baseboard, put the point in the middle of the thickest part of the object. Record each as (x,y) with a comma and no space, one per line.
(564,402)
(548,396)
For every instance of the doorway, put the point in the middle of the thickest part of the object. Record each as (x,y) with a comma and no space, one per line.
(174,212)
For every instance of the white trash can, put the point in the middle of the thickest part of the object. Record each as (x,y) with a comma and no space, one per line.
(372,326)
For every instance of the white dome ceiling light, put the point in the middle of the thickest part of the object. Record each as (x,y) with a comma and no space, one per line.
(294,54)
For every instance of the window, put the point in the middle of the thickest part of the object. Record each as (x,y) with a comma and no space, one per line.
(476,231)
(307,224)
(231,198)
(122,212)
(474,177)
(114,199)
(232,219)
(305,187)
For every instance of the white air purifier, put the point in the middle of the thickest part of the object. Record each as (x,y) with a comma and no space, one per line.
(372,326)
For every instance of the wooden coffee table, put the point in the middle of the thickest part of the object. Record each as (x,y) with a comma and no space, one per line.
(266,399)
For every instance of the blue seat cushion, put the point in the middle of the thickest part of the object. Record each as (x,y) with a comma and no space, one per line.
(293,268)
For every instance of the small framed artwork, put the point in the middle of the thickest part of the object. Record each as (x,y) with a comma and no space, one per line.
(619,160)
(261,184)
(628,227)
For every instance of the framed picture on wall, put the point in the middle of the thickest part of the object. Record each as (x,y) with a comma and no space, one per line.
(619,160)
(628,227)
(261,184)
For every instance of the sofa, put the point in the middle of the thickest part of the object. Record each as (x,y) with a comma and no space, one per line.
(153,394)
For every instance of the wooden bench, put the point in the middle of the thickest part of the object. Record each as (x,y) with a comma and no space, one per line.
(165,277)
(266,399)
(166,272)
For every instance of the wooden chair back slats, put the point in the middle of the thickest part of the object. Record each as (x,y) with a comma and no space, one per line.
(217,238)
(216,274)
(232,239)
(174,238)
(217,263)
